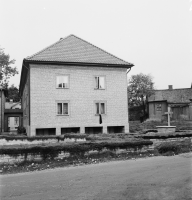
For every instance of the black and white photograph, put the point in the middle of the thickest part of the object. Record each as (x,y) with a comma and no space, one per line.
(96,100)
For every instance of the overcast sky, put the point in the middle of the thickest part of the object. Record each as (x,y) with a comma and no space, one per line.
(154,35)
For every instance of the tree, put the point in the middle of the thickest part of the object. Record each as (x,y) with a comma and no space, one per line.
(140,87)
(13,93)
(6,69)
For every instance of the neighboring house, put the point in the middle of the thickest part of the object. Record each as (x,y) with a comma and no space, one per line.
(3,94)
(74,86)
(13,115)
(180,101)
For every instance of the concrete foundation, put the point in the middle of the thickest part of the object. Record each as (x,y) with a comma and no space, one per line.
(166,129)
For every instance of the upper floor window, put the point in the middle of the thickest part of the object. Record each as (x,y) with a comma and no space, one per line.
(63,108)
(99,82)
(63,81)
(100,108)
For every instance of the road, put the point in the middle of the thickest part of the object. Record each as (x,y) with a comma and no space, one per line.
(146,178)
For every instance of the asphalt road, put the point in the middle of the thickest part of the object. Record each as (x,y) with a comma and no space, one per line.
(147,178)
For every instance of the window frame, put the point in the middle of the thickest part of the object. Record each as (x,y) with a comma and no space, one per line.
(99,76)
(62,102)
(59,75)
(95,107)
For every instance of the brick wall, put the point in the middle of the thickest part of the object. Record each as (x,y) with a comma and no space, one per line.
(81,96)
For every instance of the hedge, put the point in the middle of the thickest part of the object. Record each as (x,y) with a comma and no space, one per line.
(61,137)
(74,148)
(170,148)
(165,136)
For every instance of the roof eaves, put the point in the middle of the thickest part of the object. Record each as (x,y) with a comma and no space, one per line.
(78,63)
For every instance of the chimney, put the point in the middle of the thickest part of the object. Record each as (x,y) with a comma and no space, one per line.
(170,87)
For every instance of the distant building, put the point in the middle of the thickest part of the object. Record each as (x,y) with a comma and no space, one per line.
(12,116)
(74,86)
(180,101)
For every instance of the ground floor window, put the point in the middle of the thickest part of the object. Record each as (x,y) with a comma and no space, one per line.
(45,131)
(93,130)
(115,129)
(70,130)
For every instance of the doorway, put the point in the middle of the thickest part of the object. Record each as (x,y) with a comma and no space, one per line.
(13,123)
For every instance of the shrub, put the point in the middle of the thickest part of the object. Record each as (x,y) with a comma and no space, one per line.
(171,148)
(21,130)
(183,117)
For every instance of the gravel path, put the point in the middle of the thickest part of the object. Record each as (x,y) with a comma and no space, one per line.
(146,178)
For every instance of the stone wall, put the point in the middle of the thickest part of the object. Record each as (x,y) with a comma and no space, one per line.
(38,157)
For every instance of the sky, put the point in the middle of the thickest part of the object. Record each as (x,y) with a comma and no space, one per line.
(154,35)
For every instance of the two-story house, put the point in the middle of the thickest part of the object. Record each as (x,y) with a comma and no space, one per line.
(74,86)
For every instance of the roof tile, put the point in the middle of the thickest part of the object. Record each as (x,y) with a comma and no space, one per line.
(172,96)
(74,49)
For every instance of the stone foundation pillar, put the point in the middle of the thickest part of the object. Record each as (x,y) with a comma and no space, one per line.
(126,129)
(104,129)
(32,132)
(58,131)
(82,130)
(190,111)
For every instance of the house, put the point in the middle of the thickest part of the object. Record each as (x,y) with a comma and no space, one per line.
(12,116)
(74,86)
(180,101)
(3,94)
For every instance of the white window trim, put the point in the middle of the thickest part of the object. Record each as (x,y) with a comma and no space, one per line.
(68,81)
(105,102)
(69,111)
(104,82)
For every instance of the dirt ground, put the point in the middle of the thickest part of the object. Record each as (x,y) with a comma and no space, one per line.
(146,178)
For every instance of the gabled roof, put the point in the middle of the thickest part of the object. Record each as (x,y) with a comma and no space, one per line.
(75,50)
(172,95)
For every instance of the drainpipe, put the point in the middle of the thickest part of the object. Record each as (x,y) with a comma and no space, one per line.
(128,70)
(128,97)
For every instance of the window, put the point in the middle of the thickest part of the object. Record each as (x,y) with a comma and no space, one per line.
(63,108)
(63,81)
(100,108)
(99,82)
(158,107)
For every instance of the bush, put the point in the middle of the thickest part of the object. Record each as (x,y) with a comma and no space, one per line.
(21,130)
(171,148)
(183,117)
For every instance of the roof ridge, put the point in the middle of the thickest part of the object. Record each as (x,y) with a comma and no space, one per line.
(29,57)
(173,89)
(101,49)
